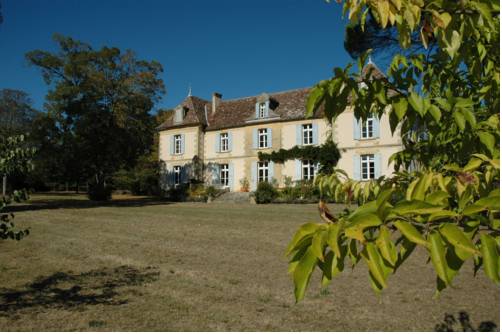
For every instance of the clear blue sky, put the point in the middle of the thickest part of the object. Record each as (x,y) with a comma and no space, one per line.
(237,48)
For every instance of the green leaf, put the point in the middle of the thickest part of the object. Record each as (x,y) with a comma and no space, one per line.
(438,257)
(318,244)
(435,113)
(400,107)
(303,272)
(453,44)
(417,103)
(439,197)
(386,246)
(411,233)
(442,215)
(491,257)
(469,117)
(314,100)
(415,207)
(304,231)
(358,223)
(488,140)
(334,231)
(473,164)
(375,263)
(422,186)
(459,119)
(455,236)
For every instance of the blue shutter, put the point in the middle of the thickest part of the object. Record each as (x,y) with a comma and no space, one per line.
(254,177)
(267,104)
(269,137)
(357,167)
(357,129)
(231,176)
(315,134)
(270,171)
(216,174)
(230,141)
(298,170)
(299,138)
(257,110)
(376,127)
(378,165)
(182,144)
(183,176)
(255,138)
(217,141)
(171,145)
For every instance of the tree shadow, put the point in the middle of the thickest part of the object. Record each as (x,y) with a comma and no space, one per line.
(462,323)
(71,202)
(68,290)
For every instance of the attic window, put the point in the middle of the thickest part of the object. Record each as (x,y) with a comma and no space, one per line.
(262,110)
(180,114)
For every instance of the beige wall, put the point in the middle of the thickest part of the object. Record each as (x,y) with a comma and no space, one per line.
(191,144)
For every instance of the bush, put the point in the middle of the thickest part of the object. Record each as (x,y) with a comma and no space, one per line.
(99,192)
(265,193)
(301,192)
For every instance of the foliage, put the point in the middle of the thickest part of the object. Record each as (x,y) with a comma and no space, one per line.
(99,101)
(445,105)
(99,191)
(142,179)
(14,157)
(265,193)
(326,154)
(244,184)
(16,112)
(304,191)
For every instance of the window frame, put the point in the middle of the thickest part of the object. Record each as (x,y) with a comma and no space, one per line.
(224,175)
(365,128)
(263,133)
(224,145)
(177,144)
(262,171)
(367,159)
(262,110)
(177,175)
(308,134)
(309,167)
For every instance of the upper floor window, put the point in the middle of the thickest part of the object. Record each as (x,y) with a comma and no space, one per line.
(262,110)
(307,134)
(177,175)
(262,138)
(308,170)
(177,144)
(367,128)
(224,172)
(263,171)
(224,142)
(367,167)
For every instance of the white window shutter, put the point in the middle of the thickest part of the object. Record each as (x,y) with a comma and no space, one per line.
(357,129)
(298,170)
(270,171)
(267,105)
(230,141)
(182,144)
(376,127)
(171,145)
(269,137)
(216,174)
(357,167)
(254,177)
(315,134)
(231,176)
(378,165)
(255,138)
(299,137)
(217,142)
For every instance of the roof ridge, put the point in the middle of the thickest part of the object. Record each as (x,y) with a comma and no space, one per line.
(273,93)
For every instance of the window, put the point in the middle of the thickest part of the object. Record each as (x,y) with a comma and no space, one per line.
(367,167)
(307,170)
(262,138)
(308,137)
(263,171)
(177,175)
(177,144)
(262,110)
(224,175)
(224,142)
(367,128)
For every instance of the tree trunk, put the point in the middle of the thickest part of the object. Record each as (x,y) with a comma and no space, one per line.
(4,185)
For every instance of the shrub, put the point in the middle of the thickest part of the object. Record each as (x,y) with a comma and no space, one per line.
(244,184)
(99,192)
(265,193)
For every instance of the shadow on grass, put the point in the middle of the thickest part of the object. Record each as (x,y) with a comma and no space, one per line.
(463,323)
(68,290)
(71,202)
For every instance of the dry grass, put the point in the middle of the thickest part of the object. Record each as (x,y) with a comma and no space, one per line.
(137,264)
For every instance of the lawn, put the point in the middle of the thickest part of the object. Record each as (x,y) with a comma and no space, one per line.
(137,264)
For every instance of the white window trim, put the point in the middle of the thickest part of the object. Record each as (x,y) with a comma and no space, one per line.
(262,110)
(224,175)
(307,133)
(367,159)
(309,165)
(177,175)
(262,167)
(177,144)
(262,133)
(224,147)
(365,125)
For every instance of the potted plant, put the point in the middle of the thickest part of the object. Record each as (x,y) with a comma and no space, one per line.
(244,185)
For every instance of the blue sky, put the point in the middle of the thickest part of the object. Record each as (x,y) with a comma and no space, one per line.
(237,48)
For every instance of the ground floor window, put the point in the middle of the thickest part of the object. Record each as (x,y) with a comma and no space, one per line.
(263,171)
(367,167)
(308,170)
(177,175)
(224,175)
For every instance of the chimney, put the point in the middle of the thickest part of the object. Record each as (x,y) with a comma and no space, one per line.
(216,101)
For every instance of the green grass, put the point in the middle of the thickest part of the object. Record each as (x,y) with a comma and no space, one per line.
(137,264)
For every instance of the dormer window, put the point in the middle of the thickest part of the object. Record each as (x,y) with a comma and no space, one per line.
(262,110)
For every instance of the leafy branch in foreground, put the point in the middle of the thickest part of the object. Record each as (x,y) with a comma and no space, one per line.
(445,106)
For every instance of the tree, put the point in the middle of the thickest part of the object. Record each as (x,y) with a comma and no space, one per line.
(16,112)
(100,100)
(446,106)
